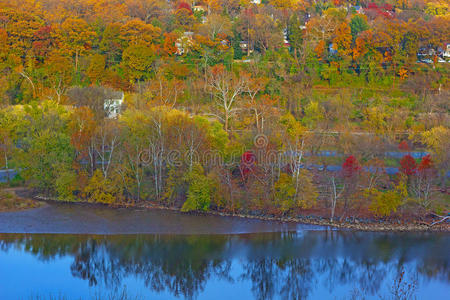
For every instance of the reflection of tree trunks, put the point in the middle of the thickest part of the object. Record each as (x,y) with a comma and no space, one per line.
(293,269)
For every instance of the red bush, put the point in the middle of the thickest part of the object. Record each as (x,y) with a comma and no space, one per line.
(350,166)
(426,168)
(426,163)
(387,6)
(248,160)
(184,5)
(408,165)
(403,146)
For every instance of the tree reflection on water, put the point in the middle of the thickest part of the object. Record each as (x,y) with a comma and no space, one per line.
(276,265)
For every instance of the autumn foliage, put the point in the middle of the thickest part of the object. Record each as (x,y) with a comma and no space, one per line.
(350,167)
(403,146)
(408,165)
(338,90)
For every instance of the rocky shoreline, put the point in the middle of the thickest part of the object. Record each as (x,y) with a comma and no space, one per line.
(350,225)
(358,224)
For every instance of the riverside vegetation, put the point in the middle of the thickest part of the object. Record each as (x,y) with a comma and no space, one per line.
(284,108)
(9,201)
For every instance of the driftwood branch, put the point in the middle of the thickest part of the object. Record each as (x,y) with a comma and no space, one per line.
(441,220)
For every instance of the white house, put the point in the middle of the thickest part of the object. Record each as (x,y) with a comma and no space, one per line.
(447,52)
(113,103)
(184,43)
(198,8)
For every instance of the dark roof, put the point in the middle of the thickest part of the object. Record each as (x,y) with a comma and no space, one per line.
(112,94)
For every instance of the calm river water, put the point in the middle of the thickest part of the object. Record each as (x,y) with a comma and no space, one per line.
(79,252)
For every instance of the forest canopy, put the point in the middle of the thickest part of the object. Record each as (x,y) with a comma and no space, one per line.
(354,95)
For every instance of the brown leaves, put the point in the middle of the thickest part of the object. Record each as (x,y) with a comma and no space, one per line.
(343,39)
(82,127)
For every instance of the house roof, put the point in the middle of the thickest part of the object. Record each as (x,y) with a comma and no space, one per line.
(113,94)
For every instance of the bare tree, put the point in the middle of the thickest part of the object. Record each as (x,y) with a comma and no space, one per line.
(336,192)
(164,91)
(226,88)
(106,140)
(254,86)
(216,24)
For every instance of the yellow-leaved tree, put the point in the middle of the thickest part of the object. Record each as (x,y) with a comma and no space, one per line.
(101,189)
(292,194)
(437,140)
(76,37)
(383,203)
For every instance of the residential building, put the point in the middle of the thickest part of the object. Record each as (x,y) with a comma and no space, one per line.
(113,103)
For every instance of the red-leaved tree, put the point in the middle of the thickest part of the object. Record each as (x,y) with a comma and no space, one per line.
(421,184)
(426,164)
(184,5)
(350,167)
(350,185)
(248,161)
(403,146)
(408,165)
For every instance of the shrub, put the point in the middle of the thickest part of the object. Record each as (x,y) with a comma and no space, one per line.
(199,192)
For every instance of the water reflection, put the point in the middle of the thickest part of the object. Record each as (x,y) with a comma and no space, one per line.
(274,265)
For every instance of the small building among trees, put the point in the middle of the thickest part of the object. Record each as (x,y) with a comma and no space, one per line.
(113,103)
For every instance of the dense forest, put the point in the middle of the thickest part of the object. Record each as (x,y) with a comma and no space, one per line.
(337,108)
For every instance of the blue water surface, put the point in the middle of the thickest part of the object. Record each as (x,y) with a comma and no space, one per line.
(308,264)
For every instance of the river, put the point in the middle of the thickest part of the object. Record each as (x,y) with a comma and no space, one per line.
(90,252)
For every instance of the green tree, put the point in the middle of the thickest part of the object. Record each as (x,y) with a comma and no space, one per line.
(295,34)
(45,150)
(137,62)
(358,24)
(11,120)
(199,191)
(66,184)
(47,153)
(313,114)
